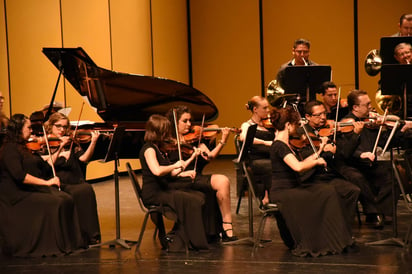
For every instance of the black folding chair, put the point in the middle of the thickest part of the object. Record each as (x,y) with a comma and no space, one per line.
(155,211)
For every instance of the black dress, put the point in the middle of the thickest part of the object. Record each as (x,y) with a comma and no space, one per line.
(212,217)
(177,194)
(72,178)
(312,212)
(35,220)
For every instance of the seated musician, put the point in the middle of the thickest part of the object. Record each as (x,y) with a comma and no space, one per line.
(403,53)
(314,219)
(259,154)
(315,114)
(70,164)
(168,183)
(37,219)
(330,101)
(215,186)
(359,164)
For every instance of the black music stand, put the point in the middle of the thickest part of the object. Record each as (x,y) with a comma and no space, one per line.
(306,80)
(112,155)
(396,80)
(395,240)
(388,45)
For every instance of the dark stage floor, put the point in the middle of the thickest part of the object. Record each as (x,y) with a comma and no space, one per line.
(273,258)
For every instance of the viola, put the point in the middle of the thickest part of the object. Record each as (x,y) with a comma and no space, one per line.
(208,133)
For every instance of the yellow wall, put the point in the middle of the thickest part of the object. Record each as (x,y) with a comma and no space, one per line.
(149,37)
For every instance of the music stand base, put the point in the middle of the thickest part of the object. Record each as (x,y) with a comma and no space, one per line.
(113,243)
(390,241)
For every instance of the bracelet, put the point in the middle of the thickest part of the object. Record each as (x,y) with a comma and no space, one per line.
(222,143)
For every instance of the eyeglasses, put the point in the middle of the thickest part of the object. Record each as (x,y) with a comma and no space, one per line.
(60,126)
(319,114)
(365,105)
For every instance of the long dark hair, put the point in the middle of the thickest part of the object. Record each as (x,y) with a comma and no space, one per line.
(14,129)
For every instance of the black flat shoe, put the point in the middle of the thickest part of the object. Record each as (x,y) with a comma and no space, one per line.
(226,238)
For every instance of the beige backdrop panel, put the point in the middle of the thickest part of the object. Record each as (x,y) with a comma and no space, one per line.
(170,51)
(226,57)
(32,25)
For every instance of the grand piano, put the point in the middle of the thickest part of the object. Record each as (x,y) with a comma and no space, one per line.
(123,99)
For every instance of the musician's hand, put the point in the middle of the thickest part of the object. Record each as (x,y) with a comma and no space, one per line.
(321,162)
(330,147)
(358,127)
(225,134)
(95,135)
(368,155)
(55,181)
(408,125)
(64,140)
(188,173)
(179,165)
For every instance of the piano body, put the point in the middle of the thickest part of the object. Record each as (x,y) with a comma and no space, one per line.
(123,99)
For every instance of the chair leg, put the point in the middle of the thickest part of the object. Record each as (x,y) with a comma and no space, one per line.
(241,194)
(358,214)
(259,232)
(146,216)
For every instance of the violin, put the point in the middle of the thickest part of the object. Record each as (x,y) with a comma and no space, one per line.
(35,143)
(208,133)
(170,146)
(302,141)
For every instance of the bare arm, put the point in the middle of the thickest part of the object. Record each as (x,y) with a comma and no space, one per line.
(304,165)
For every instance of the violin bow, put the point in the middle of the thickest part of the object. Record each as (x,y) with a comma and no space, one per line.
(200,139)
(380,131)
(177,135)
(48,150)
(336,118)
(390,137)
(77,125)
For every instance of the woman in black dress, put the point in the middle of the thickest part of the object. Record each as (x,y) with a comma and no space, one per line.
(215,186)
(312,212)
(70,161)
(259,154)
(166,183)
(36,218)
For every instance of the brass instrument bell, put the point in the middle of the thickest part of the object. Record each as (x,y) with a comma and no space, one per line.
(373,62)
(276,95)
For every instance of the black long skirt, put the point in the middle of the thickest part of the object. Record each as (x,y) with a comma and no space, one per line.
(85,201)
(314,217)
(41,224)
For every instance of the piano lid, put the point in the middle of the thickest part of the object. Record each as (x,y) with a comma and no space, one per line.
(123,97)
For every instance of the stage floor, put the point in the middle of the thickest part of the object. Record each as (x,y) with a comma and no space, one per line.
(273,258)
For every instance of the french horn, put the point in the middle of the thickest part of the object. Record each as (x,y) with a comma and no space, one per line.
(276,95)
(373,62)
(391,102)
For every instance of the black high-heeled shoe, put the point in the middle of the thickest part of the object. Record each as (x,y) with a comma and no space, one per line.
(225,237)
